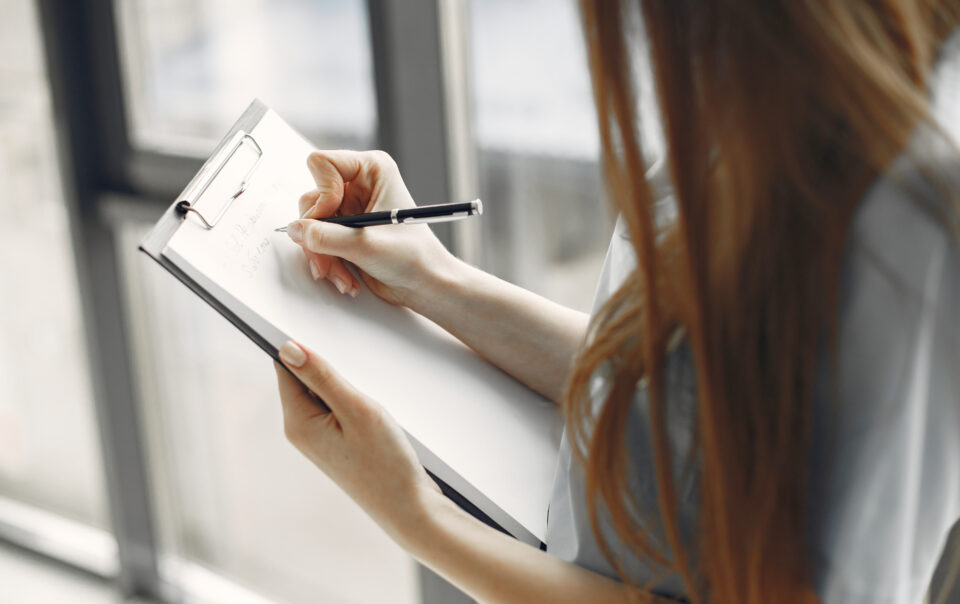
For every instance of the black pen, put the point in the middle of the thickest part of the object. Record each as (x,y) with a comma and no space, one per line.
(443,212)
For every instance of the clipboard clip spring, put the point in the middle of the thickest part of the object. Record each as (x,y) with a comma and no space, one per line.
(186,206)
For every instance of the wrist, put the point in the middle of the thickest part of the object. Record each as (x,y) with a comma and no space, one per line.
(423,528)
(444,276)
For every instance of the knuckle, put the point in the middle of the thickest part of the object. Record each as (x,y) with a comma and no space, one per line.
(383,160)
(316,157)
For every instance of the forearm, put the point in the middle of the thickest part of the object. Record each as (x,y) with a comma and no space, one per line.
(493,567)
(533,339)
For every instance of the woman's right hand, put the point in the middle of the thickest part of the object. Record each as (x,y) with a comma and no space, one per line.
(527,336)
(395,261)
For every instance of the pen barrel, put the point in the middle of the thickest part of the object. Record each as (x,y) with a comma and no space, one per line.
(361,220)
(421,214)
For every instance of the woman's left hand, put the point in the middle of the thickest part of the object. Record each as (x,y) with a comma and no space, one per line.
(356,443)
(363,450)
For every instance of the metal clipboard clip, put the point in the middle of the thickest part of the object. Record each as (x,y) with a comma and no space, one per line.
(228,152)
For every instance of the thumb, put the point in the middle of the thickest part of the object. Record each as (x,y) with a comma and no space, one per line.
(328,238)
(346,403)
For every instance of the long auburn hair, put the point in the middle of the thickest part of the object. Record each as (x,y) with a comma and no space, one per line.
(778,114)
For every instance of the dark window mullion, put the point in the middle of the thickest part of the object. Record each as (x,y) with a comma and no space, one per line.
(83,67)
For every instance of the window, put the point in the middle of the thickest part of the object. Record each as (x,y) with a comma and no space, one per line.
(192,67)
(547,224)
(49,446)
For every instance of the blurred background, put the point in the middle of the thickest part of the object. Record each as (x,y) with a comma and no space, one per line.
(141,451)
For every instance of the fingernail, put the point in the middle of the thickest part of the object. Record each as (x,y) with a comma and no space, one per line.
(292,354)
(295,231)
(307,211)
(314,270)
(340,285)
(354,291)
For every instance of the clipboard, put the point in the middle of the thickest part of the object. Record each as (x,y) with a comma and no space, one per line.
(235,163)
(156,240)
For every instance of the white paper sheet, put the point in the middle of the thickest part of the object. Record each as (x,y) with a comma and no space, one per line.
(489,437)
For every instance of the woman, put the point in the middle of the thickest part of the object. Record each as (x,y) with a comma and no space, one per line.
(764,406)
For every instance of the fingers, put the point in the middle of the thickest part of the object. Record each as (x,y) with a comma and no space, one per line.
(346,183)
(356,200)
(331,171)
(332,268)
(344,176)
(343,165)
(291,390)
(328,238)
(323,266)
(347,166)
(339,395)
(307,202)
(301,410)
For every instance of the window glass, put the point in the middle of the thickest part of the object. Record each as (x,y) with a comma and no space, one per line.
(49,446)
(547,225)
(191,67)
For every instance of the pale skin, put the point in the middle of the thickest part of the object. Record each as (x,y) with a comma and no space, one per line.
(359,445)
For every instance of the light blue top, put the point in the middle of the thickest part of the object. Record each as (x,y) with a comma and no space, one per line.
(886,491)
